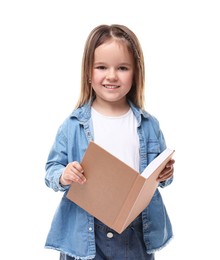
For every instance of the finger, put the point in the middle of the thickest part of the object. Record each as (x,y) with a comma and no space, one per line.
(77,167)
(170,163)
(78,173)
(80,178)
(167,173)
(164,178)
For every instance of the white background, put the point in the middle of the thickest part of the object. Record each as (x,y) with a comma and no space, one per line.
(41,45)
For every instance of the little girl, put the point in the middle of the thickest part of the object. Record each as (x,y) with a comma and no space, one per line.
(110,111)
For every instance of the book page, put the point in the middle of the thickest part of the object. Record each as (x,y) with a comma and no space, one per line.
(164,157)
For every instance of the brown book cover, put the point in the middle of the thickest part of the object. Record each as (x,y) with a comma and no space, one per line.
(115,193)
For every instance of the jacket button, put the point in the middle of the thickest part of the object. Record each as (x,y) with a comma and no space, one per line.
(109,235)
(90,228)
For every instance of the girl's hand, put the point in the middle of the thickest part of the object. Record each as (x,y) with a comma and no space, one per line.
(72,173)
(167,172)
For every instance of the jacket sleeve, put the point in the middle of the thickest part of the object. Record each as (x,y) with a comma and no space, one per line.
(57,161)
(163,146)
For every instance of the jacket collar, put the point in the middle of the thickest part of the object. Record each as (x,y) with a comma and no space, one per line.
(83,113)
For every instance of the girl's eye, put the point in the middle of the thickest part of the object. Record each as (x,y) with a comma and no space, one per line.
(123,68)
(101,67)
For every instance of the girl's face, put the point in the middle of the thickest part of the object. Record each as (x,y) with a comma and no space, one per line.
(113,71)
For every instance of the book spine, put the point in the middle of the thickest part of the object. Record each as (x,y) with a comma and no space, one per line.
(120,221)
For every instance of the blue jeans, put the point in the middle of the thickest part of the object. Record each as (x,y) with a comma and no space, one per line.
(110,245)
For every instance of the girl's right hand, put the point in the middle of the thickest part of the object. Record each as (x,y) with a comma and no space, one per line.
(72,173)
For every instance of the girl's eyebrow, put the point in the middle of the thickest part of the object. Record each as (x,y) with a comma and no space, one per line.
(119,64)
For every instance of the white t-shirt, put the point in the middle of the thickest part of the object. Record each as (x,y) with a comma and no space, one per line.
(118,135)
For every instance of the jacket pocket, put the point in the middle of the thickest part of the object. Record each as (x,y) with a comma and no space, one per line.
(153,150)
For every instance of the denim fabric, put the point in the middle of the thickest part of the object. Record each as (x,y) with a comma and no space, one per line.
(126,246)
(72,229)
(148,257)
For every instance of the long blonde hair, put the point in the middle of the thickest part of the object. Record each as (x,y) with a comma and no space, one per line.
(97,37)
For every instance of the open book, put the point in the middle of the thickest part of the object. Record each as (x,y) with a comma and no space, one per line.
(114,192)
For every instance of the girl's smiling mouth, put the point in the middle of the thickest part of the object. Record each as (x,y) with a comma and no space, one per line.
(110,86)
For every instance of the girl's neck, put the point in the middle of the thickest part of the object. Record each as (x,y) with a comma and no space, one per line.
(111,108)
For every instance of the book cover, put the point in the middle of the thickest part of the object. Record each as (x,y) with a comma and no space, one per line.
(114,192)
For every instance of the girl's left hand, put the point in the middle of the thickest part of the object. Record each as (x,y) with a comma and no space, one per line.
(167,172)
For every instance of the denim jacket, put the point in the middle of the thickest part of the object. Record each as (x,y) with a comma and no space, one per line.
(72,228)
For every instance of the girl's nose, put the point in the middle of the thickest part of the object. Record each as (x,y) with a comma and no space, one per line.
(111,75)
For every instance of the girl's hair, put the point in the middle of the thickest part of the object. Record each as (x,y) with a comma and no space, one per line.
(97,37)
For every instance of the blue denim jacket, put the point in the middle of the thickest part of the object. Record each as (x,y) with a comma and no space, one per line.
(72,228)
